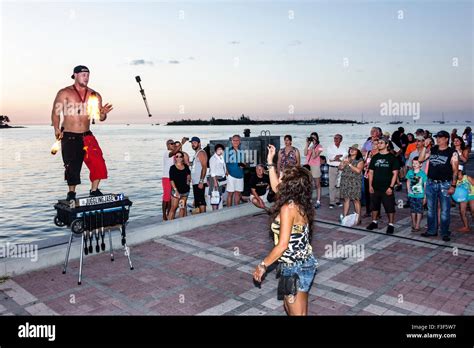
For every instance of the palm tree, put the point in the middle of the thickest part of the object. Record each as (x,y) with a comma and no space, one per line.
(3,120)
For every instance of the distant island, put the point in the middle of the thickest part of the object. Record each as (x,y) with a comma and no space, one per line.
(245,120)
(4,120)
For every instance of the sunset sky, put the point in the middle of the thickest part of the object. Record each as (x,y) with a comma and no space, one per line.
(222,59)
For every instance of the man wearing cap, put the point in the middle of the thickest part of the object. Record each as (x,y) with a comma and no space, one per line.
(420,143)
(198,174)
(77,141)
(442,178)
(412,147)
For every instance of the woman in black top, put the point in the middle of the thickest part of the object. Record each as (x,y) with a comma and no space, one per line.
(180,177)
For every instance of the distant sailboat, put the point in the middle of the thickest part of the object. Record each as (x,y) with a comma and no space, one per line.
(442,119)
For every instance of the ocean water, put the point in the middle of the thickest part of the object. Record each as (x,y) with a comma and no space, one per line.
(32,180)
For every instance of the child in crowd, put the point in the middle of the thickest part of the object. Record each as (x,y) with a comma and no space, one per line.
(324,172)
(416,184)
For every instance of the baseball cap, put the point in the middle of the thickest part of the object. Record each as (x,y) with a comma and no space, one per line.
(355,146)
(78,69)
(442,134)
(384,139)
(196,139)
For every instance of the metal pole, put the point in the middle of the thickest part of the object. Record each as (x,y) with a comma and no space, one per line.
(81,259)
(111,248)
(67,253)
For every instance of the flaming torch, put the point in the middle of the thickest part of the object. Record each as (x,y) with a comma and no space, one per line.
(93,110)
(56,146)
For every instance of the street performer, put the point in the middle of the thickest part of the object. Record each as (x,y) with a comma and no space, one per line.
(78,144)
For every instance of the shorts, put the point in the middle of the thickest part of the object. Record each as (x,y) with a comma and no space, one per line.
(234,184)
(181,195)
(378,198)
(306,270)
(165,182)
(416,205)
(94,159)
(199,198)
(263,197)
(77,148)
(316,171)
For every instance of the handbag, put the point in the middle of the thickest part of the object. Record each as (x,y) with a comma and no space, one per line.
(287,285)
(215,197)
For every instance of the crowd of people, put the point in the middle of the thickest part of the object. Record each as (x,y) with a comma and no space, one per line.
(432,166)
(433,172)
(215,180)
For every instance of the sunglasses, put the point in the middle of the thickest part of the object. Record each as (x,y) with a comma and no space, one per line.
(178,156)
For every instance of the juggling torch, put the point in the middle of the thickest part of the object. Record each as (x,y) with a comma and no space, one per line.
(142,91)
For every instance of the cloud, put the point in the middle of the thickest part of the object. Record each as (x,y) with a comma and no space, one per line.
(295,43)
(191,58)
(141,62)
(234,42)
(173,62)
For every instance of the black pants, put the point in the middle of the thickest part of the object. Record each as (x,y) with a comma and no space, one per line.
(72,150)
(199,198)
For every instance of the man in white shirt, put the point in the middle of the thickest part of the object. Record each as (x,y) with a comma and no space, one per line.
(335,153)
(168,161)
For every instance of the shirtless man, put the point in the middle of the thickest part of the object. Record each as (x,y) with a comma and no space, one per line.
(78,144)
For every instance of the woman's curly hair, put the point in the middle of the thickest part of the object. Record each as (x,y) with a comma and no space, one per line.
(296,187)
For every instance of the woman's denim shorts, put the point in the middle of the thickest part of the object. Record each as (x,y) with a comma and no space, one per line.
(306,270)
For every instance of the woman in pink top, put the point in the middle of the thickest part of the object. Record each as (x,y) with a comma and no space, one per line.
(312,151)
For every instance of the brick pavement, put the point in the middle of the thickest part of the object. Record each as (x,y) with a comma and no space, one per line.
(207,271)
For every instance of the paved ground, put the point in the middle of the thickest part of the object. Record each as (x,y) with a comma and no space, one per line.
(208,271)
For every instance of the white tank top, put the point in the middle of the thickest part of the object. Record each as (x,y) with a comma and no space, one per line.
(196,169)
